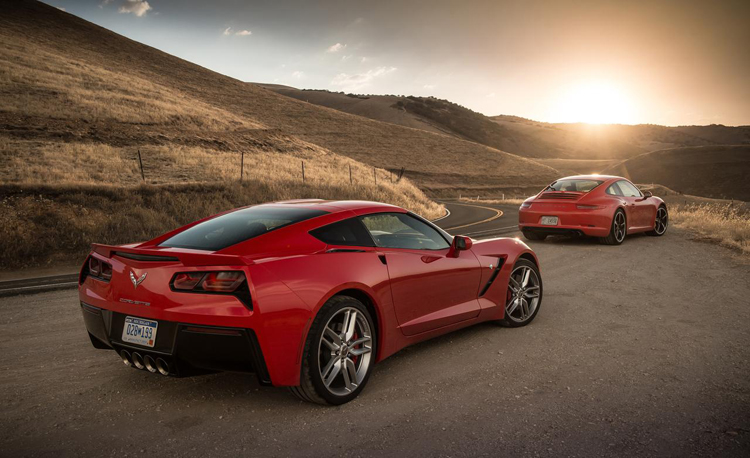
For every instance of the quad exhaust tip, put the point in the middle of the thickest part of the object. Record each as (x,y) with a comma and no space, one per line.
(145,362)
(150,364)
(138,361)
(162,366)
(126,358)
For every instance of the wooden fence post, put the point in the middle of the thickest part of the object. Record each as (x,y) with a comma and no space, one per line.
(350,174)
(140,162)
(303,171)
(242,165)
(375,174)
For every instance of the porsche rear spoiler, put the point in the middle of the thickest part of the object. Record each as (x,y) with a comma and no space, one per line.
(171,255)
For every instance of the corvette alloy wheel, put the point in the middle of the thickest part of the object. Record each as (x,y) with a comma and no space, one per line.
(345,351)
(524,294)
(662,221)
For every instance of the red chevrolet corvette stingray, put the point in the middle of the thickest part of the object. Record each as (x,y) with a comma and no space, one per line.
(601,206)
(306,294)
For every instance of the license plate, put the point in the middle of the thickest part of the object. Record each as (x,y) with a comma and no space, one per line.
(549,220)
(139,331)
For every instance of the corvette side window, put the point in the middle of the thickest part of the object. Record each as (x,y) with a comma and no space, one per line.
(349,232)
(628,190)
(399,230)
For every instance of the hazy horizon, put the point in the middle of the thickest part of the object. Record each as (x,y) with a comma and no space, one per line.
(665,62)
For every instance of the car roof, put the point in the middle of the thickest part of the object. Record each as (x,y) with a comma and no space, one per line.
(591,177)
(335,206)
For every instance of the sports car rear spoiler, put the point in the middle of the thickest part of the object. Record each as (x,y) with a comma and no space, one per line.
(171,255)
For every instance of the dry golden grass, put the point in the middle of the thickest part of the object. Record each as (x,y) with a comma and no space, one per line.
(726,224)
(48,225)
(66,88)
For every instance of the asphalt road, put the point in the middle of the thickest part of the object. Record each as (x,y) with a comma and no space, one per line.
(638,350)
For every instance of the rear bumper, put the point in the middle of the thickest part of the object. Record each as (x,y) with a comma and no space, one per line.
(589,223)
(188,349)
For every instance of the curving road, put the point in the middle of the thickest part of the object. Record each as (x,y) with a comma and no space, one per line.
(480,220)
(635,352)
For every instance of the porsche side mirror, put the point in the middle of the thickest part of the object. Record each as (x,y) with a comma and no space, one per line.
(647,194)
(460,243)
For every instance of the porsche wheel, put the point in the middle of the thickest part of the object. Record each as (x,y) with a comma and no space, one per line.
(338,354)
(660,222)
(533,236)
(524,295)
(618,230)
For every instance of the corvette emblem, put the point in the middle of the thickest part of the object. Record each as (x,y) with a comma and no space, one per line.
(138,281)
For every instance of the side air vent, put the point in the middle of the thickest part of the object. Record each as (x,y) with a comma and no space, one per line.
(145,257)
(500,262)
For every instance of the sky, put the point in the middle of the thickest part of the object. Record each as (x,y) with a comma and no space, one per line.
(660,62)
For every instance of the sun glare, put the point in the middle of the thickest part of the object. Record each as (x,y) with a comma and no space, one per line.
(594,103)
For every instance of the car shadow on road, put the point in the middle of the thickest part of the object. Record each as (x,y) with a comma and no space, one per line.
(565,240)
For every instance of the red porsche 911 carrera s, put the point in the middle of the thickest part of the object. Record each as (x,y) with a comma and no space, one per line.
(307,294)
(601,206)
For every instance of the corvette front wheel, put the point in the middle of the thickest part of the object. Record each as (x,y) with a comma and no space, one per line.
(524,297)
(339,353)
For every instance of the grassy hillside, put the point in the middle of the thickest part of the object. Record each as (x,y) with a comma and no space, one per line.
(67,79)
(518,135)
(712,171)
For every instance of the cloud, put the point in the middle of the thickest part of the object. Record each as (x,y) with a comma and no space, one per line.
(363,60)
(429,87)
(359,81)
(336,48)
(298,74)
(137,7)
(346,57)
(239,33)
(491,95)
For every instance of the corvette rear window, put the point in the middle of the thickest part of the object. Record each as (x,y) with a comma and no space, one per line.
(574,185)
(235,227)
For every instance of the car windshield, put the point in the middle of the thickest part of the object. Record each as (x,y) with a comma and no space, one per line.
(574,185)
(235,227)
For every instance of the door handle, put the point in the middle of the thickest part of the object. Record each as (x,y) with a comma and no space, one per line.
(428,259)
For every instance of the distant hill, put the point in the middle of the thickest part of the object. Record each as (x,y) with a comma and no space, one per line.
(721,172)
(67,79)
(521,136)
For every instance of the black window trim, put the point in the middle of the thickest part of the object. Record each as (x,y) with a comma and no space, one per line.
(445,236)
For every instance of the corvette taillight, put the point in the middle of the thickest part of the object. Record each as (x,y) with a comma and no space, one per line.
(213,282)
(98,269)
(589,207)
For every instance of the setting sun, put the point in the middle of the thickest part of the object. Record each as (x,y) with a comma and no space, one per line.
(594,103)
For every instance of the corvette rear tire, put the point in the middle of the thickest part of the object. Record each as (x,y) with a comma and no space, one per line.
(617,230)
(661,222)
(534,236)
(339,353)
(524,297)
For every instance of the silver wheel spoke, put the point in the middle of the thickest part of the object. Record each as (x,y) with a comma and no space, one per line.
(349,325)
(335,338)
(350,375)
(513,284)
(512,306)
(360,351)
(526,275)
(331,371)
(524,309)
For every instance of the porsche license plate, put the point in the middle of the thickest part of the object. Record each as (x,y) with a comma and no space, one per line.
(549,220)
(139,331)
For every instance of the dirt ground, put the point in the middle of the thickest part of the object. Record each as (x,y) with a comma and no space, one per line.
(638,350)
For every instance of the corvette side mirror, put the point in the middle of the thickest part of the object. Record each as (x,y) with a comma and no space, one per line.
(460,243)
(647,194)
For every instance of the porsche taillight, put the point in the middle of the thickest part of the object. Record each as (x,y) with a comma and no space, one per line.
(525,205)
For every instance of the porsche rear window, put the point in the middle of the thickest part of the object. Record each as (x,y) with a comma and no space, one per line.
(235,227)
(574,185)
